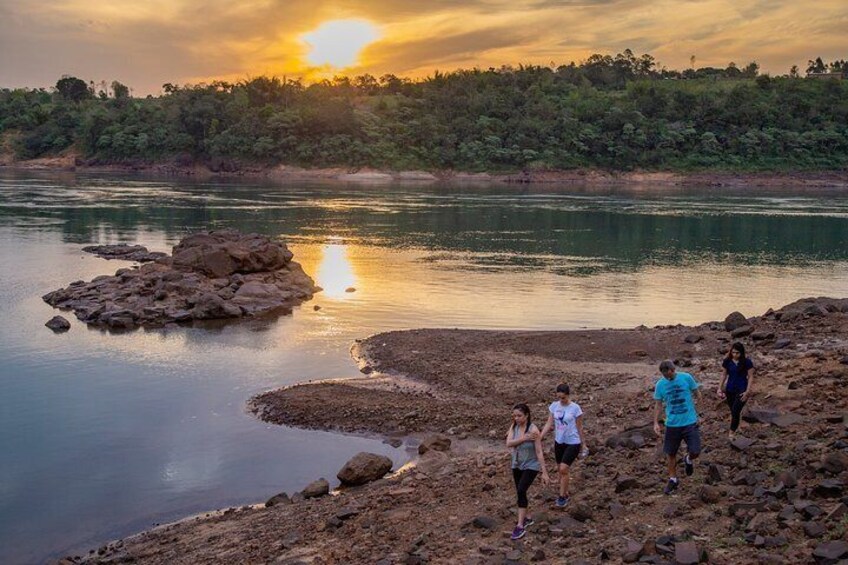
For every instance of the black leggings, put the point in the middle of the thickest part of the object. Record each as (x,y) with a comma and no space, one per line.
(736,404)
(523,480)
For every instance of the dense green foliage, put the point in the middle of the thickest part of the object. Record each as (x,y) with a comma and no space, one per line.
(609,112)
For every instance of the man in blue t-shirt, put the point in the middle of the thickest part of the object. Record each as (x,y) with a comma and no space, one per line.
(674,390)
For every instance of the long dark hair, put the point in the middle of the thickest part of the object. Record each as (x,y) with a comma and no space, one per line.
(524,410)
(743,368)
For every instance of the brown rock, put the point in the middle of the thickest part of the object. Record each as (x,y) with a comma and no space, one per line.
(214,275)
(363,468)
(788,478)
(832,550)
(58,324)
(709,494)
(124,252)
(837,513)
(787,420)
(760,415)
(686,553)
(735,320)
(538,555)
(581,512)
(484,522)
(347,513)
(278,499)
(713,474)
(514,555)
(626,483)
(434,442)
(316,489)
(814,529)
(762,335)
(632,551)
(828,488)
(222,253)
(616,509)
(834,462)
(742,443)
(741,332)
(782,343)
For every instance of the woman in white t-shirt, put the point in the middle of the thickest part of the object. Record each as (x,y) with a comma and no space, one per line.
(566,418)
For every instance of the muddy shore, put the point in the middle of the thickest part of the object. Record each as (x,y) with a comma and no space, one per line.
(775,498)
(727,179)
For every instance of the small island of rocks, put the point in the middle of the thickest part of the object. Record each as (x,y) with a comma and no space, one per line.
(209,275)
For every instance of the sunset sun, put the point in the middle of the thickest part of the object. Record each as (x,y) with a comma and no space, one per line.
(337,43)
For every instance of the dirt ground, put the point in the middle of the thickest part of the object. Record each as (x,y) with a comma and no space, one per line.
(775,497)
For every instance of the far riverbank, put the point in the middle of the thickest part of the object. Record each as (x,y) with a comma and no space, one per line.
(591,177)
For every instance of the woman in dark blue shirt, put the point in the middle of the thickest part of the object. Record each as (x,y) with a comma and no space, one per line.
(736,383)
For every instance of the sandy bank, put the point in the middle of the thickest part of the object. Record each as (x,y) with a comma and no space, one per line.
(798,179)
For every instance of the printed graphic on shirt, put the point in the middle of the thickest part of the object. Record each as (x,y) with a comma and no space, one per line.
(677,396)
(565,422)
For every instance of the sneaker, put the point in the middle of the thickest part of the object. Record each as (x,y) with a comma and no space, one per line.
(689,465)
(561,501)
(671,486)
(528,521)
(731,436)
(517,533)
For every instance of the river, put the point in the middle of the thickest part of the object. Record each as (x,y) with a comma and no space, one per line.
(102,434)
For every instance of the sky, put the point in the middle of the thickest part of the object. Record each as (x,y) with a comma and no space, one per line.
(146,43)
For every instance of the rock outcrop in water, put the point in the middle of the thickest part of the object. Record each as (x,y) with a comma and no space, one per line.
(125,252)
(210,275)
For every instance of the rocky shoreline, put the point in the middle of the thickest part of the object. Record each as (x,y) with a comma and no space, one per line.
(775,495)
(231,168)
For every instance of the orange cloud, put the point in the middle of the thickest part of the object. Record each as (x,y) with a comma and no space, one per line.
(145,44)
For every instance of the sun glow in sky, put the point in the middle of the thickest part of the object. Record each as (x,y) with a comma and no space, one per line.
(146,44)
(338,43)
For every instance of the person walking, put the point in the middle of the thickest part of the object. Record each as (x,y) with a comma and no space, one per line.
(675,391)
(566,417)
(736,384)
(528,460)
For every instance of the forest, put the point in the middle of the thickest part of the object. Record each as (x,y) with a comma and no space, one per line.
(612,112)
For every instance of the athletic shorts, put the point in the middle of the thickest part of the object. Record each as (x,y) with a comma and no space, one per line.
(691,434)
(566,452)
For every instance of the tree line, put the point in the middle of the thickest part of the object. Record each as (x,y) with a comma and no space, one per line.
(614,112)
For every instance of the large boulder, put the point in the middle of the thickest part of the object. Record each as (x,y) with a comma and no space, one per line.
(222,253)
(735,320)
(364,468)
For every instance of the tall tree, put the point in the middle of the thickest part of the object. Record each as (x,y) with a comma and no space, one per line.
(72,89)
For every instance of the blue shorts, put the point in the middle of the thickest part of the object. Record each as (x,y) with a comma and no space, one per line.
(691,434)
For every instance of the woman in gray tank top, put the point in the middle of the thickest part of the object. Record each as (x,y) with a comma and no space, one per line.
(528,460)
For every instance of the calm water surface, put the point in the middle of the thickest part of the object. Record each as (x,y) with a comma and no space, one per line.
(102,435)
